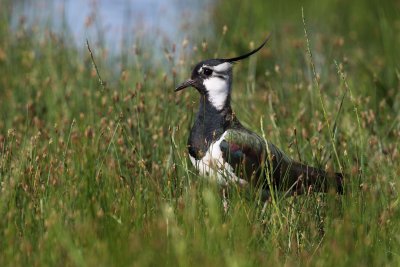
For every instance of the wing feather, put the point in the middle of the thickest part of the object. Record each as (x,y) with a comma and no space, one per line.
(246,152)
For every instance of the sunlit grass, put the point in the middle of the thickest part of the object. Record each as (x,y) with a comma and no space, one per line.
(100,176)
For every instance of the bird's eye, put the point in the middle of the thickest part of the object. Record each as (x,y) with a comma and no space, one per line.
(207,71)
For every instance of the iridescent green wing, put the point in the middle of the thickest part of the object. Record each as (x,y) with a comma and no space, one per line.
(244,151)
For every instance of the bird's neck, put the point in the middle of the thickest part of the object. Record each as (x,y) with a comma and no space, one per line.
(209,125)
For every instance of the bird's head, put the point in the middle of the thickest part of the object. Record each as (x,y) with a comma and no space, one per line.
(213,78)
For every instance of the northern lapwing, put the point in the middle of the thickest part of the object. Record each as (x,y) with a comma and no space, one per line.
(222,148)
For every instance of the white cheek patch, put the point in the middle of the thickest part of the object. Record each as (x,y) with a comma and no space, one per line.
(222,67)
(218,90)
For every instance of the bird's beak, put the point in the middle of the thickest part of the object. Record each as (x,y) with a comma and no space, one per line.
(185,84)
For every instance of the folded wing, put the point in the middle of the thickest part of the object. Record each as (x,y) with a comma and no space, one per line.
(247,153)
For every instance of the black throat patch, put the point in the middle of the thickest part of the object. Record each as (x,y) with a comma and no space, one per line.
(208,127)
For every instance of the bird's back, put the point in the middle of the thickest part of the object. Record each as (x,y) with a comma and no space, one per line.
(252,159)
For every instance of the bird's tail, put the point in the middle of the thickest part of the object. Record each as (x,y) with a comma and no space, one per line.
(300,178)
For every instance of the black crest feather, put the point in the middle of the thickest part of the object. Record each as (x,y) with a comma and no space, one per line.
(248,54)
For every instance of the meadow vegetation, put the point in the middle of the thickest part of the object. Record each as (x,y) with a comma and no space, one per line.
(98,175)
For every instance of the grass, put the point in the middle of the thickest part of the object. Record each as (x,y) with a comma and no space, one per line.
(94,176)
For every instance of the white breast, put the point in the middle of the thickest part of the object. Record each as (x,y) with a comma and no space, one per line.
(213,165)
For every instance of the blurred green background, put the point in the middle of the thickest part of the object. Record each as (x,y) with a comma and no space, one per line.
(94,175)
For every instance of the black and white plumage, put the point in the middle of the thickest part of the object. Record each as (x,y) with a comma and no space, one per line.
(221,147)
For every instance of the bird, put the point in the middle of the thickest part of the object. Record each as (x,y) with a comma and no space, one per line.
(221,148)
